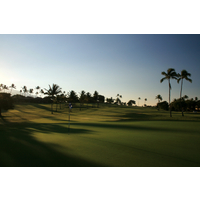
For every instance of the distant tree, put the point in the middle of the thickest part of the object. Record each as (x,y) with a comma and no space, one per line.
(101,98)
(184,75)
(12,87)
(52,92)
(159,97)
(41,91)
(131,102)
(138,100)
(196,98)
(163,105)
(171,74)
(30,91)
(1,87)
(96,97)
(110,100)
(37,88)
(6,102)
(88,98)
(25,90)
(5,87)
(82,98)
(117,100)
(145,101)
(72,97)
(185,97)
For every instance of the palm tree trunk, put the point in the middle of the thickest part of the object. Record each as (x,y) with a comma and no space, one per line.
(181,96)
(169,100)
(52,108)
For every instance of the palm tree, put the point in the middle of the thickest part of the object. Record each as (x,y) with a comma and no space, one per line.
(118,101)
(37,88)
(95,97)
(52,92)
(88,98)
(138,101)
(1,86)
(184,75)
(171,74)
(159,97)
(145,101)
(12,87)
(30,91)
(82,98)
(131,102)
(41,92)
(25,90)
(185,97)
(5,88)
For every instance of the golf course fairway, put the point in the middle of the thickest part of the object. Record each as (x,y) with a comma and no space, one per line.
(109,136)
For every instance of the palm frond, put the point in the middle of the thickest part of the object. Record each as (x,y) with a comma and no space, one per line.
(163,79)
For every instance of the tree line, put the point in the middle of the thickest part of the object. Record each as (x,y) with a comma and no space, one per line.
(54,95)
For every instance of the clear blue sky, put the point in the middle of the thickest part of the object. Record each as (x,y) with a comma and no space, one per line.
(129,65)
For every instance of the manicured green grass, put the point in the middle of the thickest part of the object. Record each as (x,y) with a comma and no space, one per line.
(107,136)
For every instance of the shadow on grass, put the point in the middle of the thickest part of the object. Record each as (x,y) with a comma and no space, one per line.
(133,127)
(156,116)
(19,148)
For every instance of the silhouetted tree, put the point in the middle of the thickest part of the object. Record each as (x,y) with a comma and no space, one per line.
(25,90)
(184,75)
(37,88)
(95,97)
(82,98)
(30,91)
(171,74)
(52,92)
(131,102)
(6,102)
(145,101)
(138,100)
(163,105)
(72,97)
(12,87)
(159,97)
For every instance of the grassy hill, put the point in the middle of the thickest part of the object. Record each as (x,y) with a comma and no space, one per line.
(107,136)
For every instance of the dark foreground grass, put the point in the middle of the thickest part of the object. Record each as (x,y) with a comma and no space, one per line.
(107,136)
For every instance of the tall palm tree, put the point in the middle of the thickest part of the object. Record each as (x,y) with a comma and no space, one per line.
(171,74)
(52,92)
(184,75)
